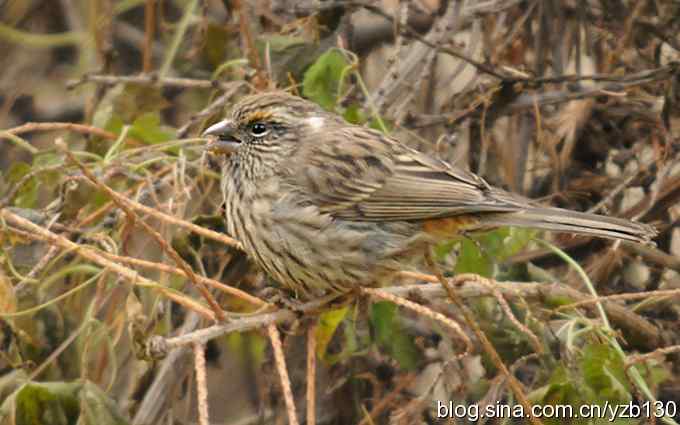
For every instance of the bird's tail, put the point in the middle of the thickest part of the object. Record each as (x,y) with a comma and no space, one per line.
(560,220)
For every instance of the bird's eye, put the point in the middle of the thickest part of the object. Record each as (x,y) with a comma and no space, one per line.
(258,129)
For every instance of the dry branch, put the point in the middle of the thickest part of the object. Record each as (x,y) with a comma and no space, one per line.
(280,361)
(311,375)
(124,204)
(154,80)
(201,384)
(634,327)
(93,255)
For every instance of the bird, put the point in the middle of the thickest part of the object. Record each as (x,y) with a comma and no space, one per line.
(324,206)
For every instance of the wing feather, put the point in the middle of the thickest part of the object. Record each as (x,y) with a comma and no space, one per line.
(360,174)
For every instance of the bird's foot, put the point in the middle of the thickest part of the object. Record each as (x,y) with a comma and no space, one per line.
(282,299)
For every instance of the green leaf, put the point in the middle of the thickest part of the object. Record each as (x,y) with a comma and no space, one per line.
(354,115)
(254,344)
(321,80)
(139,105)
(281,43)
(653,372)
(49,180)
(105,109)
(481,254)
(257,345)
(561,389)
(147,127)
(517,240)
(348,342)
(376,124)
(136,100)
(62,403)
(404,350)
(603,371)
(471,259)
(382,318)
(328,324)
(53,403)
(17,170)
(27,196)
(391,336)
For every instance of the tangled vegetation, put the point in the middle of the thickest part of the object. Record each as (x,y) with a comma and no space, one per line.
(123,301)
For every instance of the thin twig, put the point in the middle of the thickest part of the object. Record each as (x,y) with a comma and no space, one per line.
(467,286)
(168,374)
(624,297)
(423,311)
(99,212)
(611,194)
(41,264)
(280,362)
(41,41)
(16,187)
(210,234)
(214,106)
(177,37)
(639,358)
(311,375)
(514,384)
(149,32)
(387,401)
(201,384)
(635,375)
(155,80)
(52,126)
(537,346)
(92,255)
(242,6)
(123,203)
(169,269)
(408,31)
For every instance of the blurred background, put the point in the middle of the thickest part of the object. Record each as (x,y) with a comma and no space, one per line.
(571,102)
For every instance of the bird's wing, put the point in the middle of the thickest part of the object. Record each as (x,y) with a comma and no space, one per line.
(359,174)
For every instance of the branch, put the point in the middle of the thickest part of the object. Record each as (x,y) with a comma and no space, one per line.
(123,204)
(311,375)
(201,384)
(280,362)
(154,80)
(165,268)
(51,126)
(634,326)
(514,384)
(92,255)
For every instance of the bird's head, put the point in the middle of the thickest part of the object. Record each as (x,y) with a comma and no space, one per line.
(267,121)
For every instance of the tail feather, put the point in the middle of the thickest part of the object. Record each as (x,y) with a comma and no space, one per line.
(559,220)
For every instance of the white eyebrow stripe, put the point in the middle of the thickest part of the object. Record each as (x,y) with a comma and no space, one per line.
(315,122)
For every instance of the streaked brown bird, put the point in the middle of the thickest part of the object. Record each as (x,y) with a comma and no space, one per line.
(325,206)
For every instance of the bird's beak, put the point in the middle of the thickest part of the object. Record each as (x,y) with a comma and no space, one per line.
(222,140)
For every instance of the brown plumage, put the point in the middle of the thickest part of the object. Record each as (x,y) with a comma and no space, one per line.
(322,205)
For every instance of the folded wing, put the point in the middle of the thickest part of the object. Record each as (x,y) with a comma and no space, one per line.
(360,174)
